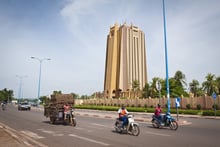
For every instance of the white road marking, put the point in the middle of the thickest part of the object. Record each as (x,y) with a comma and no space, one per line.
(159,134)
(58,134)
(101,125)
(90,140)
(46,131)
(78,128)
(32,134)
(51,132)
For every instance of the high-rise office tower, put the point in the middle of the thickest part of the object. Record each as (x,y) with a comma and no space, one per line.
(125,60)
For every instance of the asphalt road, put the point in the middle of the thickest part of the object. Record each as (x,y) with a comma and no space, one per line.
(95,131)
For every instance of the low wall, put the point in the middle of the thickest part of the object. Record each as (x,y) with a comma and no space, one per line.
(206,102)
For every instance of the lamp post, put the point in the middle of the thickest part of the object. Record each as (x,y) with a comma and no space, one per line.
(166,60)
(20,85)
(39,82)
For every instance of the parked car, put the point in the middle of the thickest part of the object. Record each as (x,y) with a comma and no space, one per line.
(34,104)
(24,106)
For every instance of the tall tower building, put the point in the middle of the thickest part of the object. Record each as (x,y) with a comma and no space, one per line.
(125,60)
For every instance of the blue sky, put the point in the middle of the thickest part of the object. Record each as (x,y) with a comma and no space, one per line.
(73,34)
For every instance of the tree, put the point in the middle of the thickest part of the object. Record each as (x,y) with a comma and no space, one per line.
(43,99)
(180,78)
(135,86)
(146,91)
(218,84)
(177,85)
(75,95)
(154,91)
(210,84)
(6,95)
(57,92)
(194,87)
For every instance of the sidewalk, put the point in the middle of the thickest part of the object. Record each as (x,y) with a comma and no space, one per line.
(12,138)
(9,138)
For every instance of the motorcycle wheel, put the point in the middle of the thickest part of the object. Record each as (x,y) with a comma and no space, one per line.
(135,130)
(117,127)
(155,124)
(173,125)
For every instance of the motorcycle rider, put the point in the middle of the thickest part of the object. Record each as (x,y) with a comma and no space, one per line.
(66,110)
(123,115)
(157,112)
(3,105)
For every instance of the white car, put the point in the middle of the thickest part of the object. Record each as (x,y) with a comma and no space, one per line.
(24,106)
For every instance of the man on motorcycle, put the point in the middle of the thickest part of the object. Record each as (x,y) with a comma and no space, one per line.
(123,115)
(3,105)
(66,110)
(157,112)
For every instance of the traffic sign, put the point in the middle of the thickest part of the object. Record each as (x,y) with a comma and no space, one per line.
(214,96)
(158,85)
(177,102)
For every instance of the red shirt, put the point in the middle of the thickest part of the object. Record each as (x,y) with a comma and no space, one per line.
(66,108)
(157,111)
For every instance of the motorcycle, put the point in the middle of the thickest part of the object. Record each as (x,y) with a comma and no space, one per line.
(166,121)
(70,118)
(131,127)
(3,106)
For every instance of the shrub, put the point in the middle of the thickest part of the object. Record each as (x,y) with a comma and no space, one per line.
(198,107)
(139,105)
(208,113)
(166,106)
(145,105)
(188,106)
(215,106)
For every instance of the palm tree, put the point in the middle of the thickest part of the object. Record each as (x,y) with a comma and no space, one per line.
(146,91)
(180,78)
(154,91)
(210,85)
(218,84)
(194,87)
(135,86)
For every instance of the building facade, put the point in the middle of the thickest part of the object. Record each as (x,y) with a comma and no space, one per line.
(125,60)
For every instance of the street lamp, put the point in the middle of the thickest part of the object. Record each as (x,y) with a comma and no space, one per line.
(39,82)
(166,60)
(20,85)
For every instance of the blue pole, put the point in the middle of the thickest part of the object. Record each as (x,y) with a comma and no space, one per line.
(166,60)
(20,87)
(39,82)
(38,96)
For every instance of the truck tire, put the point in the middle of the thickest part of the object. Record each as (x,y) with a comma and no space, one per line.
(73,122)
(52,120)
